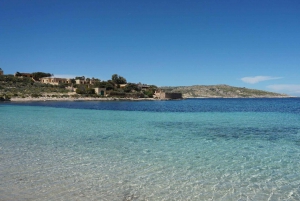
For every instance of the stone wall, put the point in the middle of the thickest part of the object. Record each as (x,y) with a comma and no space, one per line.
(167,95)
(173,95)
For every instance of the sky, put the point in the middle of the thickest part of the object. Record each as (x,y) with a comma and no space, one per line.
(253,44)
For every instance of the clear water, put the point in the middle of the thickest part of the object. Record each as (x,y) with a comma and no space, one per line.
(198,149)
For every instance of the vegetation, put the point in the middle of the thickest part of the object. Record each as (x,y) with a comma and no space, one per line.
(18,74)
(131,87)
(11,86)
(150,91)
(4,97)
(37,75)
(80,78)
(109,85)
(118,79)
(83,89)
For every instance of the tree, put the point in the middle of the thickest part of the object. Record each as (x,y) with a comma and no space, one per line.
(107,85)
(38,75)
(114,77)
(131,87)
(80,78)
(150,91)
(18,74)
(82,89)
(73,81)
(118,79)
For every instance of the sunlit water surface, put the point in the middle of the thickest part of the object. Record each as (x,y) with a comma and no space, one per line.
(199,149)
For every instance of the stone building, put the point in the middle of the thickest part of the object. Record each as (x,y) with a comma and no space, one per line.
(1,71)
(100,91)
(55,81)
(159,94)
(79,81)
(86,81)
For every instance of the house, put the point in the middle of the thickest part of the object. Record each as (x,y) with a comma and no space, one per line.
(55,81)
(143,87)
(1,71)
(86,81)
(80,81)
(100,91)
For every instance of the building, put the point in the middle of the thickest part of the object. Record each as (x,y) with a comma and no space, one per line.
(1,71)
(143,87)
(159,94)
(100,91)
(86,81)
(92,81)
(55,81)
(80,81)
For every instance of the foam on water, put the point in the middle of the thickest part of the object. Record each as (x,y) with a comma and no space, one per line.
(77,154)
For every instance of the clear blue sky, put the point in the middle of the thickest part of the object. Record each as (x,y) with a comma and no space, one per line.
(254,44)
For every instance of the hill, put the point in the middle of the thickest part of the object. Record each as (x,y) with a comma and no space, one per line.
(12,87)
(220,91)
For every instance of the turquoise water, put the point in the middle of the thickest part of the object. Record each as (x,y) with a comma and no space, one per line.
(211,149)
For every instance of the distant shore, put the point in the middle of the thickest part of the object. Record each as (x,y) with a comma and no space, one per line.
(242,97)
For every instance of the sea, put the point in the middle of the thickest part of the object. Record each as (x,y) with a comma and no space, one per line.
(192,149)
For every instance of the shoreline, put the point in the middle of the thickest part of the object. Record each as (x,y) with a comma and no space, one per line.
(29,99)
(40,99)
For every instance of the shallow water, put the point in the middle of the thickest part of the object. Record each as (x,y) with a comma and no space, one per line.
(203,149)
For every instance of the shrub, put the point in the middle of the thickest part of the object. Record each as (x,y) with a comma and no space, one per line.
(35,95)
(117,93)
